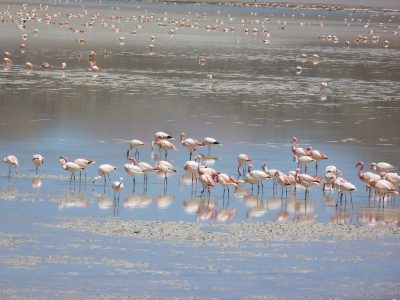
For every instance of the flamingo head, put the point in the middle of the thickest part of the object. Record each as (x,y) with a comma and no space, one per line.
(382,174)
(360,163)
(294,140)
(198,158)
(297,170)
(249,168)
(309,148)
(182,134)
(373,166)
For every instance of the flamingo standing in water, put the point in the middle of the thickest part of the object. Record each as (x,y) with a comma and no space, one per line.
(210,142)
(135,144)
(243,161)
(283,180)
(297,151)
(12,162)
(366,177)
(133,170)
(206,179)
(165,167)
(83,163)
(37,160)
(190,144)
(69,166)
(160,135)
(117,187)
(104,170)
(316,155)
(225,181)
(307,181)
(383,187)
(164,145)
(191,167)
(145,167)
(382,167)
(256,177)
(346,187)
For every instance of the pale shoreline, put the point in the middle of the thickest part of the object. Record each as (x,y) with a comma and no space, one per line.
(224,234)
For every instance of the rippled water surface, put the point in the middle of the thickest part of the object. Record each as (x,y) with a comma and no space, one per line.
(255,103)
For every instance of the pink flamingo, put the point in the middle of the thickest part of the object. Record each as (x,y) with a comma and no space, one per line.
(225,181)
(190,144)
(210,142)
(135,144)
(283,180)
(306,181)
(382,167)
(37,160)
(69,166)
(164,145)
(83,163)
(12,162)
(297,151)
(366,177)
(316,155)
(104,170)
(243,161)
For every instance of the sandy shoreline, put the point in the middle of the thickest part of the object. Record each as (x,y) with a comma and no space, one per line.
(225,234)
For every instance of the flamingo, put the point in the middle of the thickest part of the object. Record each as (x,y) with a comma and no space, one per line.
(145,167)
(191,167)
(83,163)
(204,169)
(46,66)
(133,170)
(382,167)
(366,177)
(225,181)
(190,144)
(160,135)
(283,180)
(69,166)
(271,173)
(12,162)
(210,142)
(135,144)
(303,161)
(243,160)
(316,155)
(117,187)
(383,186)
(104,170)
(393,178)
(306,181)
(297,151)
(28,65)
(63,66)
(164,145)
(37,160)
(256,177)
(165,167)
(346,187)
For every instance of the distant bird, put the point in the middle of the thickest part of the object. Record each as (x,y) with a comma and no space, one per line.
(210,142)
(37,160)
(46,66)
(191,168)
(323,86)
(104,171)
(69,166)
(243,161)
(283,180)
(146,169)
(12,162)
(28,65)
(63,66)
(117,187)
(382,167)
(256,177)
(190,144)
(135,144)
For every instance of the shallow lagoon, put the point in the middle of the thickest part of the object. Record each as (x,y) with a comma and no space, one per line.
(255,104)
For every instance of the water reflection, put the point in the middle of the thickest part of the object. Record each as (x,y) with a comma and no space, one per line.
(74,200)
(37,181)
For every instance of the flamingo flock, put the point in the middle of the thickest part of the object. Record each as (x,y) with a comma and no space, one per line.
(384,184)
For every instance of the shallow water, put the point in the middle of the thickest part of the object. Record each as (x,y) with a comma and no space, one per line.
(255,104)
